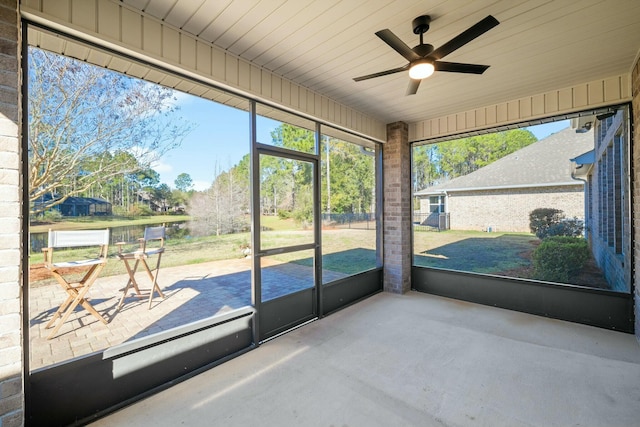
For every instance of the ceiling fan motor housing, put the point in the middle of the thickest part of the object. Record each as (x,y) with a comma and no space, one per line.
(421,24)
(423,49)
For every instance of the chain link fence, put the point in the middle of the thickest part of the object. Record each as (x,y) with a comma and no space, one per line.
(361,221)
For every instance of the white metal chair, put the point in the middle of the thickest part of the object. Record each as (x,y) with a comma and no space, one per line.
(151,244)
(62,271)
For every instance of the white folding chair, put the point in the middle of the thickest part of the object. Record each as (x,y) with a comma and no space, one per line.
(62,271)
(151,244)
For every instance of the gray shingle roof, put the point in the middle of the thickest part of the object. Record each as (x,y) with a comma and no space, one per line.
(541,164)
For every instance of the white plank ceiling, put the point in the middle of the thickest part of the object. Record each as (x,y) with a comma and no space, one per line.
(540,45)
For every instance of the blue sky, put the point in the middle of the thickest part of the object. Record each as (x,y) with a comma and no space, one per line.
(542,131)
(220,138)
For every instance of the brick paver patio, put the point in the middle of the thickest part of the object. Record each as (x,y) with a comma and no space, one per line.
(192,292)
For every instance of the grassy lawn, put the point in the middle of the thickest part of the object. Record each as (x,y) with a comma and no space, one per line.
(91,223)
(475,251)
(346,251)
(178,252)
(504,254)
(274,223)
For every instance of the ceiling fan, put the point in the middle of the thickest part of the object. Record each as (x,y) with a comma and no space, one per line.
(424,60)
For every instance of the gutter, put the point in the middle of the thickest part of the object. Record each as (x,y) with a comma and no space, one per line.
(584,193)
(499,187)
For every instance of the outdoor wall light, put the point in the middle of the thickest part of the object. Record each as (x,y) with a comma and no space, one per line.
(421,69)
(585,128)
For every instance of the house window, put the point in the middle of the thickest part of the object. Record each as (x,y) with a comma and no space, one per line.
(602,198)
(436,204)
(589,205)
(610,179)
(618,193)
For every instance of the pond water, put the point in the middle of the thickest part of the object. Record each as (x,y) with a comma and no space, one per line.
(129,233)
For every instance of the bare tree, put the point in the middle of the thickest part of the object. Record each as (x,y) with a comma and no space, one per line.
(223,208)
(82,118)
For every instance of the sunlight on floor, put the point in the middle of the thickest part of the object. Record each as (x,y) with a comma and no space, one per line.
(250,378)
(435,256)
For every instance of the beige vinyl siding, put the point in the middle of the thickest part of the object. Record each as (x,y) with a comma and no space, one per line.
(594,94)
(127,31)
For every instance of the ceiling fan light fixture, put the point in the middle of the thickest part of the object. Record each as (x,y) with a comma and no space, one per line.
(423,59)
(421,69)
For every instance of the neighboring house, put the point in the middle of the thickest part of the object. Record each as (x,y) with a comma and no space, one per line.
(500,196)
(146,198)
(605,168)
(79,206)
(85,206)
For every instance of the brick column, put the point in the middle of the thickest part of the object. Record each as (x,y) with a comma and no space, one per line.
(397,209)
(635,185)
(11,351)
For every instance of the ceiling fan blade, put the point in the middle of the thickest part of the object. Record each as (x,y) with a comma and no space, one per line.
(413,86)
(465,37)
(456,67)
(382,73)
(398,45)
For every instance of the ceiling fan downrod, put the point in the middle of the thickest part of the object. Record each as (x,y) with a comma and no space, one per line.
(421,26)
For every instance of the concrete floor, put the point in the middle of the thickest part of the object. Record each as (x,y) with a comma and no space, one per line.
(414,360)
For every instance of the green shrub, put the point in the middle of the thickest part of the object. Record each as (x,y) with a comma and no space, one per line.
(558,258)
(541,219)
(132,211)
(140,209)
(52,215)
(571,227)
(282,214)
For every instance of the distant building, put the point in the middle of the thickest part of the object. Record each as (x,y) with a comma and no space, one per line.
(147,199)
(79,206)
(500,196)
